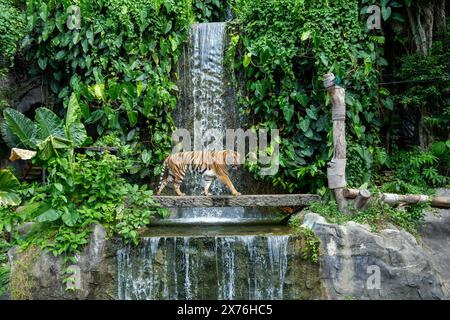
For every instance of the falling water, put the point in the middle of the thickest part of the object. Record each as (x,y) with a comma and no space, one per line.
(236,267)
(205,105)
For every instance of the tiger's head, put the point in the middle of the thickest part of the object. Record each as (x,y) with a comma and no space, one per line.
(231,158)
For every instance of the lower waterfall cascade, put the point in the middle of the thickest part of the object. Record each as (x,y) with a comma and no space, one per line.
(229,267)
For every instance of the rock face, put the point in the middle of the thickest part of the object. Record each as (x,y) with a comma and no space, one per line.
(357,263)
(95,271)
(354,263)
(435,236)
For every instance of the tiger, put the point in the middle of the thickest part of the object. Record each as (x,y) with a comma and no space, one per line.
(210,164)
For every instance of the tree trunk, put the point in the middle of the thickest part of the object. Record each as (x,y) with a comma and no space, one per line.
(426,17)
(440,22)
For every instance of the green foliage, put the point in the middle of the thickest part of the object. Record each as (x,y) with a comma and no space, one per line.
(4,269)
(430,99)
(120,63)
(48,134)
(9,186)
(311,249)
(420,168)
(12,29)
(94,191)
(282,64)
(209,10)
(359,165)
(377,215)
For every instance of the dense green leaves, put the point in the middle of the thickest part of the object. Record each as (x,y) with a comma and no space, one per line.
(12,29)
(282,64)
(9,187)
(120,64)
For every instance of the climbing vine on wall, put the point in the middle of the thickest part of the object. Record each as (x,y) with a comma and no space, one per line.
(281,54)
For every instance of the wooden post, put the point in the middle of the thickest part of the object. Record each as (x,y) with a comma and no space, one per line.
(362,199)
(336,167)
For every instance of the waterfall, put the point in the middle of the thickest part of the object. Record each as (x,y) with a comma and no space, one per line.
(230,267)
(205,104)
(238,265)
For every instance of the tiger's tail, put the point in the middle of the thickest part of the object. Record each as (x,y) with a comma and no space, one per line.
(163,171)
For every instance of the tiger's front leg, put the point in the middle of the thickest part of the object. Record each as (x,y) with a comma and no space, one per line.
(230,185)
(178,190)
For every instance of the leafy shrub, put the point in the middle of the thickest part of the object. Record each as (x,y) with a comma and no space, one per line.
(311,248)
(91,190)
(425,98)
(210,10)
(4,269)
(420,168)
(48,134)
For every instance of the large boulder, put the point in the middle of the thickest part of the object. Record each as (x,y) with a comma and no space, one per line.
(37,274)
(391,264)
(435,239)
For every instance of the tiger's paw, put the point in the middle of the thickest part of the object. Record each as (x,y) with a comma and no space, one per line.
(236,193)
(182,194)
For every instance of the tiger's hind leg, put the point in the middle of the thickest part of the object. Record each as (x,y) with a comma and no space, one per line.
(177,184)
(229,184)
(164,184)
(178,190)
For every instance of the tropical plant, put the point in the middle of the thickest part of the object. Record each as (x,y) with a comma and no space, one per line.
(48,133)
(210,10)
(4,270)
(120,62)
(9,186)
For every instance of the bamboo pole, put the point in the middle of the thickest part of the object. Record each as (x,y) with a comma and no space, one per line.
(336,167)
(395,199)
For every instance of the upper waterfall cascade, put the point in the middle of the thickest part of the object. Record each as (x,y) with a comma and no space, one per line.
(205,105)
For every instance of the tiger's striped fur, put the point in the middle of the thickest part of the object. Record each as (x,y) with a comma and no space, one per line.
(210,164)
